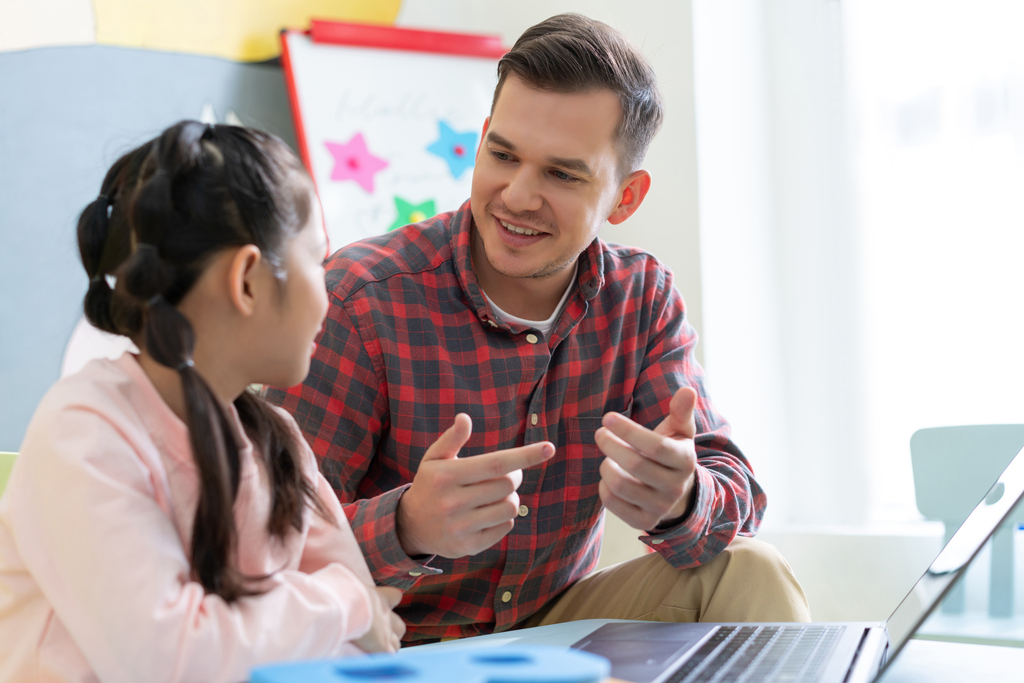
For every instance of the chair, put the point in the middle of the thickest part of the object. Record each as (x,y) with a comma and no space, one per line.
(6,464)
(954,467)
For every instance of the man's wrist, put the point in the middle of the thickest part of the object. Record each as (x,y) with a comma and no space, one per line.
(677,519)
(405,538)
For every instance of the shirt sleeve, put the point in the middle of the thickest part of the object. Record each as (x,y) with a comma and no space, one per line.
(89,526)
(729,501)
(342,410)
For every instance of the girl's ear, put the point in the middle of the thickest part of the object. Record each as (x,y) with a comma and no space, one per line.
(242,278)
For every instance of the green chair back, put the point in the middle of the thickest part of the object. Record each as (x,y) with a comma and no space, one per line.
(954,467)
(6,464)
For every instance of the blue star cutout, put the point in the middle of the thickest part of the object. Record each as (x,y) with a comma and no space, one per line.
(458,149)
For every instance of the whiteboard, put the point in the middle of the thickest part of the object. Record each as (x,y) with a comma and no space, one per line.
(388,135)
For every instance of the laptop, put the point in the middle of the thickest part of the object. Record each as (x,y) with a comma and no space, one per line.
(650,652)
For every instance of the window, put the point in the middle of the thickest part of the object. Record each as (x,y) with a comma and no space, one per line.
(861,173)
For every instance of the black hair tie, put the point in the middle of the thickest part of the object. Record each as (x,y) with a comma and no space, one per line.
(105,204)
(154,300)
(187,363)
(146,246)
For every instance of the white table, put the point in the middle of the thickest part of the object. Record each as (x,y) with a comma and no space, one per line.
(938,662)
(922,661)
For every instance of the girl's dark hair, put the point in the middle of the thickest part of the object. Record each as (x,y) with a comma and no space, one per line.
(163,211)
(571,53)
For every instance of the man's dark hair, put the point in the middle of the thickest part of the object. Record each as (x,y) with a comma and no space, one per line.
(571,53)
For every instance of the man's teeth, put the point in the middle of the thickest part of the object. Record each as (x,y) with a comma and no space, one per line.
(518,230)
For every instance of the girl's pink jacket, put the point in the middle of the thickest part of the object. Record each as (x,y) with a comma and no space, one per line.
(95,527)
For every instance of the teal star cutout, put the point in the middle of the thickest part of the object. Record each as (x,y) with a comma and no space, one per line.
(412,213)
(455,148)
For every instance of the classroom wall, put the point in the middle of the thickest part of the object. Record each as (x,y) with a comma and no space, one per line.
(69,107)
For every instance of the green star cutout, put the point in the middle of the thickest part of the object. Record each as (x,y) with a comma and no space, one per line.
(411,213)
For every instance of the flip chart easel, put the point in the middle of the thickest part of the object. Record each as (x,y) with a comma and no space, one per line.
(387,119)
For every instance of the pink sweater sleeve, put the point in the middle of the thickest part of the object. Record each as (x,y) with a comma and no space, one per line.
(89,526)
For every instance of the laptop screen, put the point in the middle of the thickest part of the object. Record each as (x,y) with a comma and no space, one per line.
(958,553)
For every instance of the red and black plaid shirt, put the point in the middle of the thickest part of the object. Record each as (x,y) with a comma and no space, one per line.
(410,341)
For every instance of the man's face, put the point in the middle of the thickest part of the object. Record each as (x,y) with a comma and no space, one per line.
(545,179)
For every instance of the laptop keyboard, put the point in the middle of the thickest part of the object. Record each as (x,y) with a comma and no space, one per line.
(761,654)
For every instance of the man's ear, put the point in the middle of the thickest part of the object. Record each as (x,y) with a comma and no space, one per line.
(631,195)
(483,134)
(243,283)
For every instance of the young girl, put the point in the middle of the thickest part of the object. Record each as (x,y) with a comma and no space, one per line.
(163,523)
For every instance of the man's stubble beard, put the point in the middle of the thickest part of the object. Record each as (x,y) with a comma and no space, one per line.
(551,268)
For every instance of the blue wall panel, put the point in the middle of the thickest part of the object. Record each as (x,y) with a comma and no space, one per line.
(65,115)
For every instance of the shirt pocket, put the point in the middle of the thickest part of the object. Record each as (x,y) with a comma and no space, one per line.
(580,472)
(581,460)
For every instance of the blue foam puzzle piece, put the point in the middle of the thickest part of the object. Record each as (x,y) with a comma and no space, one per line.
(513,664)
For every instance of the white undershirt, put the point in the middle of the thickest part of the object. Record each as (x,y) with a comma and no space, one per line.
(544,326)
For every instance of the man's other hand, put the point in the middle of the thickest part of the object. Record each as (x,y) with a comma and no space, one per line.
(457,507)
(647,477)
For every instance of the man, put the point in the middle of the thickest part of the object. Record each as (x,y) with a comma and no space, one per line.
(490,380)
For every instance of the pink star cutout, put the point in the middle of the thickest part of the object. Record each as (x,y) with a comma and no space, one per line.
(352,161)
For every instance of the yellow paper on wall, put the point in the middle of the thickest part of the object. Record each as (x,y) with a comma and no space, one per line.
(243,30)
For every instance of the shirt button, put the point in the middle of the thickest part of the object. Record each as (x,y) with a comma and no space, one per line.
(415,573)
(523,510)
(656,541)
(492,323)
(506,596)
(532,338)
(533,419)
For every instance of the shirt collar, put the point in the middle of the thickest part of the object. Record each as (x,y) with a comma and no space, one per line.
(589,279)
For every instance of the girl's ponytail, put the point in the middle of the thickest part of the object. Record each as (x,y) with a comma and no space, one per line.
(103,244)
(92,238)
(291,492)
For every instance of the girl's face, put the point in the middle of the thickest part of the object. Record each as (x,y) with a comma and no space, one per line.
(294,323)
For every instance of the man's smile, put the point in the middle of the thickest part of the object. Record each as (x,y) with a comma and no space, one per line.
(517,230)
(517,236)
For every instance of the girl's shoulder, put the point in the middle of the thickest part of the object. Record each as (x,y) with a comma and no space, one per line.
(101,386)
(106,401)
(105,386)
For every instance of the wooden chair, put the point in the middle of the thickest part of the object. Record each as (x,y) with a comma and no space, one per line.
(954,467)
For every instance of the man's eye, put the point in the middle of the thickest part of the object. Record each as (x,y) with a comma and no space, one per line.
(501,156)
(562,175)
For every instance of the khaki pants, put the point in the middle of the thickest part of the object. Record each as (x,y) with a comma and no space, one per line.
(749,581)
